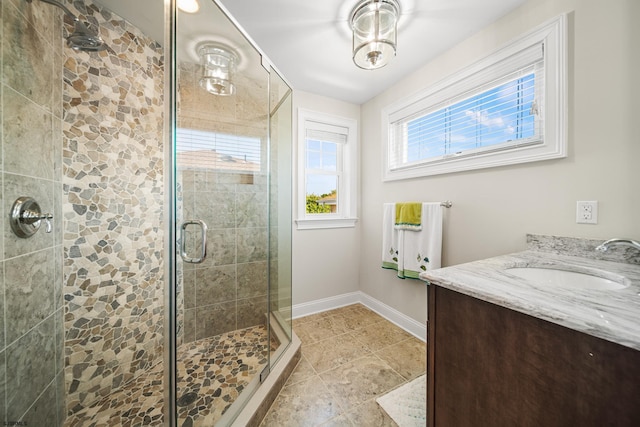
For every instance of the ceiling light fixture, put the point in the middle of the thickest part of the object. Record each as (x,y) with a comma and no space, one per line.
(219,64)
(374,24)
(189,6)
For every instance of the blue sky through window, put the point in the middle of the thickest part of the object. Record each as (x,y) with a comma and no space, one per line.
(321,184)
(498,115)
(321,156)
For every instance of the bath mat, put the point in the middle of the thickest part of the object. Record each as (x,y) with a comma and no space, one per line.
(407,405)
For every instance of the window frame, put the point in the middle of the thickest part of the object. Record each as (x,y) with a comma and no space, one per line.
(346,172)
(553,106)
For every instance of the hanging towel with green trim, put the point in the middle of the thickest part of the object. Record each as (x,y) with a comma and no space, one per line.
(412,252)
(408,216)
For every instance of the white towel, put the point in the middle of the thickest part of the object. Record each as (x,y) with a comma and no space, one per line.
(422,250)
(412,252)
(389,237)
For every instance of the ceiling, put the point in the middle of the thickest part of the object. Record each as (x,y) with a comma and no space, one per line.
(309,42)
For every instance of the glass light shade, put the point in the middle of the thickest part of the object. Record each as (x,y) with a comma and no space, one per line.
(374,26)
(189,6)
(218,67)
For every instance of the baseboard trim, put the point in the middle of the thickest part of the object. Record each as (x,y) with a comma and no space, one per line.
(324,304)
(400,319)
(410,325)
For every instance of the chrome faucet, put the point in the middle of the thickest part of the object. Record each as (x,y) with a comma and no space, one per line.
(617,242)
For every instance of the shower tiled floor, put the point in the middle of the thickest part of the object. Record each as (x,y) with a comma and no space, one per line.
(350,356)
(218,372)
(214,371)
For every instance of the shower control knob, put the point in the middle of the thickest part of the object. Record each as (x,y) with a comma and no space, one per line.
(26,218)
(33,217)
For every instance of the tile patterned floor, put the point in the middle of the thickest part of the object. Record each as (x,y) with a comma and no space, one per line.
(350,356)
(216,369)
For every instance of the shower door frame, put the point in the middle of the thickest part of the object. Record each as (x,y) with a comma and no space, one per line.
(170,306)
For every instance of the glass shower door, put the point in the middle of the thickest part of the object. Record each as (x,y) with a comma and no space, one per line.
(280,192)
(222,218)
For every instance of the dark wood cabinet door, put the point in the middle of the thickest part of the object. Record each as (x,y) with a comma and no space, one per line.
(491,366)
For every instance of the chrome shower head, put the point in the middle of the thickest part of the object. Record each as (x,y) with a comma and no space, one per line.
(82,39)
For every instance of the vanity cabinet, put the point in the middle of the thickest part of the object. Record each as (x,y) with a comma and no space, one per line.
(491,366)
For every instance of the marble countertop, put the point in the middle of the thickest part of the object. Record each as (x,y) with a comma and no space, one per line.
(611,315)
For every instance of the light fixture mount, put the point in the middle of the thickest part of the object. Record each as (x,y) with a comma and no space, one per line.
(374,24)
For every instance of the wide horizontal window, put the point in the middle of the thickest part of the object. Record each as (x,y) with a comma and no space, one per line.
(507,108)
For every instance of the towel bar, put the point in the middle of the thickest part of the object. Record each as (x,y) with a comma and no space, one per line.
(446,203)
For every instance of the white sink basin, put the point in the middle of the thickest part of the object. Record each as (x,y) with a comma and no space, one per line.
(565,279)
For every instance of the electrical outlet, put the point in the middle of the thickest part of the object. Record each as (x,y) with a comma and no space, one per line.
(587,212)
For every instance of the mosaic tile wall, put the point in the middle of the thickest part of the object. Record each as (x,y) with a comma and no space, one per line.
(31,361)
(113,208)
(229,290)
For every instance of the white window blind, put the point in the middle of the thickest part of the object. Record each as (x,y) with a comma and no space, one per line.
(213,150)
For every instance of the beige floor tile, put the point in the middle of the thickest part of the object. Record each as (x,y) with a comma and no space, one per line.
(370,414)
(307,403)
(303,371)
(313,317)
(338,370)
(340,421)
(357,318)
(334,351)
(362,308)
(379,335)
(320,329)
(302,331)
(344,309)
(297,322)
(360,380)
(408,357)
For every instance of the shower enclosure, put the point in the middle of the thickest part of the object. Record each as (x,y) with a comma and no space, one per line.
(232,160)
(161,295)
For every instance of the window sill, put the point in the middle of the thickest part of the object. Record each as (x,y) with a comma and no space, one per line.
(319,223)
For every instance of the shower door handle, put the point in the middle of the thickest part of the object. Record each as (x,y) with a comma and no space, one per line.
(183,241)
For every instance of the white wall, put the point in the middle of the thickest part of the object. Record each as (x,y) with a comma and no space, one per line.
(493,209)
(326,261)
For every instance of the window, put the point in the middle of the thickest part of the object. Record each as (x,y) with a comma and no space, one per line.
(327,170)
(508,108)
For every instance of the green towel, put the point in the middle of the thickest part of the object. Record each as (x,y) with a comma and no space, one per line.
(408,216)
